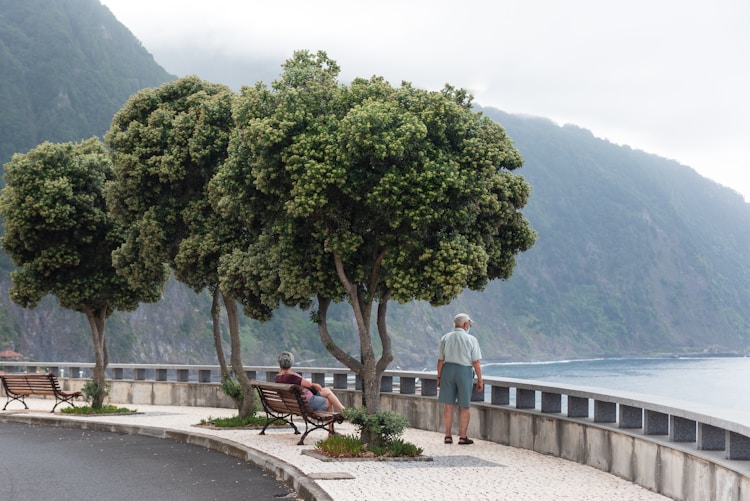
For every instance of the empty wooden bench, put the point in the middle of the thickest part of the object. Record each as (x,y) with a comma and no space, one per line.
(19,386)
(282,402)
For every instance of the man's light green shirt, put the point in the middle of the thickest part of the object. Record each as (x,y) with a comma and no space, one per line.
(459,347)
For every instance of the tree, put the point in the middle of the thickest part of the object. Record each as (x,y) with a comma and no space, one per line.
(372,193)
(58,232)
(167,143)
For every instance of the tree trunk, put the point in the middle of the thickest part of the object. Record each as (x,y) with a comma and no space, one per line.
(96,318)
(216,323)
(385,340)
(247,406)
(369,371)
(227,381)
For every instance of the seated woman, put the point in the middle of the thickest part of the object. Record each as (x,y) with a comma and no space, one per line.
(324,400)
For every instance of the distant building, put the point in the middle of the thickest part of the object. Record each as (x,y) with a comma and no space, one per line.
(10,356)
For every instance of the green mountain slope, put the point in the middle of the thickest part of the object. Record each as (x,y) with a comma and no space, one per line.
(67,67)
(637,255)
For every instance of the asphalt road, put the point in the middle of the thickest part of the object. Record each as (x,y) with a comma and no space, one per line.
(40,462)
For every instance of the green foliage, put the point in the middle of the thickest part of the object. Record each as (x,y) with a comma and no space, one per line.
(382,427)
(59,233)
(57,229)
(166,144)
(339,446)
(637,254)
(67,67)
(409,189)
(105,409)
(236,421)
(400,448)
(231,387)
(92,391)
(365,193)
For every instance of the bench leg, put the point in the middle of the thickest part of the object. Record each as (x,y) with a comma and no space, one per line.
(272,419)
(302,439)
(318,426)
(68,399)
(19,398)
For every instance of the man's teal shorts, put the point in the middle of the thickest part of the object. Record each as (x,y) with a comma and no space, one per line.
(455,384)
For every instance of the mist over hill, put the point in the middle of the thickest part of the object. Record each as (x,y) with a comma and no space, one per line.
(636,255)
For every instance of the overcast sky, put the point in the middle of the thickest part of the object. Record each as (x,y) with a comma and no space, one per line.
(670,77)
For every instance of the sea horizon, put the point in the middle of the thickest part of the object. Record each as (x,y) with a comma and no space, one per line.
(717,381)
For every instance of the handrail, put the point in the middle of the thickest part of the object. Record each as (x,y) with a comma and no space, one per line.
(710,428)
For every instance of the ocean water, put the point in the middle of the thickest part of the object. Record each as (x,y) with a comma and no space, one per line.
(722,382)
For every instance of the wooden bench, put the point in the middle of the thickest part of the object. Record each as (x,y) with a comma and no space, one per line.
(19,386)
(282,402)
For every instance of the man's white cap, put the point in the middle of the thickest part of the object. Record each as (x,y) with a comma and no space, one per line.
(461,319)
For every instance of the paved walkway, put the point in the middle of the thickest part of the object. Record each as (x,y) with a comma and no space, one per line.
(482,471)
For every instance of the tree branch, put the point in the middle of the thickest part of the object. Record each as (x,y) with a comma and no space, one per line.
(385,340)
(340,355)
(362,326)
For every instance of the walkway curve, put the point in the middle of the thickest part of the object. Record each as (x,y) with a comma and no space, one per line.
(305,488)
(483,471)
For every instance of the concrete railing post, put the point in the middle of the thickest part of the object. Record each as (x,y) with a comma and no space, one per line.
(340,381)
(407,385)
(605,412)
(578,407)
(500,395)
(630,417)
(551,402)
(681,429)
(525,399)
(655,423)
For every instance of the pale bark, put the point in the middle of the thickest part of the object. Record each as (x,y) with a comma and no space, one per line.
(248,398)
(96,318)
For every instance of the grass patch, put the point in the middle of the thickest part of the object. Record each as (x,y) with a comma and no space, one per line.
(105,409)
(350,446)
(235,421)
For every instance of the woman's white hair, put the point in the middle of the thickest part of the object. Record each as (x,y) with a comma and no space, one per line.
(286,360)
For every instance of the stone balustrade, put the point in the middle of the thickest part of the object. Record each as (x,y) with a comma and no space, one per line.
(683,450)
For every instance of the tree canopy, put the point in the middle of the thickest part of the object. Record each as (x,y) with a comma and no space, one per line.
(167,143)
(58,231)
(370,193)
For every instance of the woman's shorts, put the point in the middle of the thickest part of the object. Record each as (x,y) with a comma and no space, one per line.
(455,384)
(319,403)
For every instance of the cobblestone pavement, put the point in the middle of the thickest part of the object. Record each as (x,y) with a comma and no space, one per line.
(482,471)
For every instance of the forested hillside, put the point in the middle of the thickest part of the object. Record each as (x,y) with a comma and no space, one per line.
(636,254)
(67,66)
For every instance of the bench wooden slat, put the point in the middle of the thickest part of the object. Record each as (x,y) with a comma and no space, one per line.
(19,386)
(283,401)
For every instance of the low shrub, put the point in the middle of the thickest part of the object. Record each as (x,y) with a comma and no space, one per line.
(378,429)
(91,391)
(230,386)
(104,409)
(399,448)
(341,446)
(235,421)
(349,446)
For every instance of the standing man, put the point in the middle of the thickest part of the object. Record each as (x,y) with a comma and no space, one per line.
(457,354)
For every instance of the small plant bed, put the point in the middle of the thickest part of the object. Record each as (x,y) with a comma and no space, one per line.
(85,410)
(351,448)
(382,430)
(251,421)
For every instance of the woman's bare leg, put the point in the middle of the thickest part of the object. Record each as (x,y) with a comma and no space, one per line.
(333,401)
